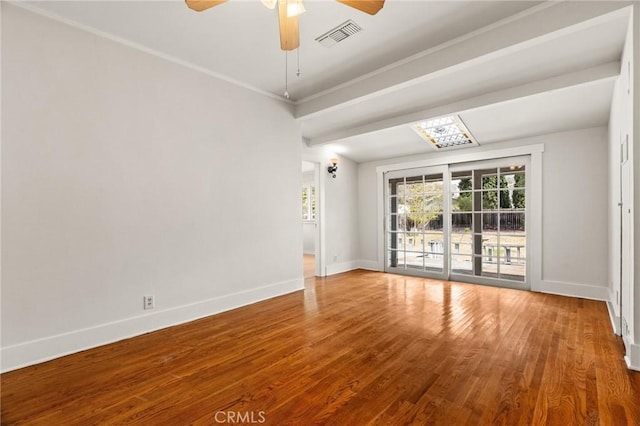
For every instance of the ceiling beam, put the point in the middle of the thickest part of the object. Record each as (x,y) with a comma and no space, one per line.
(610,70)
(540,24)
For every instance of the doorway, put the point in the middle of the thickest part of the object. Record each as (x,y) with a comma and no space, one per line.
(465,222)
(626,241)
(310,218)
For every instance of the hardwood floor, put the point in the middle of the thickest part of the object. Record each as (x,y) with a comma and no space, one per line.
(309,262)
(355,348)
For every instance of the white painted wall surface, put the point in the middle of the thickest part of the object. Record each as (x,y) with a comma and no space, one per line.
(574,232)
(574,208)
(125,175)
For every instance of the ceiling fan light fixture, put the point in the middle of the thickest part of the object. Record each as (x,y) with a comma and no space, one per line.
(269,4)
(295,8)
(288,12)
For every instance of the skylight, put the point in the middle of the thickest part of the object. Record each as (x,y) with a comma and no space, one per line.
(446,132)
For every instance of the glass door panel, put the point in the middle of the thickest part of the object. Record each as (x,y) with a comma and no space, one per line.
(415,218)
(488,232)
(463,222)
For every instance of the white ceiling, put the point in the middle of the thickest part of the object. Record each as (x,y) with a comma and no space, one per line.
(239,39)
(527,68)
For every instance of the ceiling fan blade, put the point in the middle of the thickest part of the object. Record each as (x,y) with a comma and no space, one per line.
(200,5)
(289,34)
(367,6)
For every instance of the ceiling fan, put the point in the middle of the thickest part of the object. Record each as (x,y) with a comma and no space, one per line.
(288,12)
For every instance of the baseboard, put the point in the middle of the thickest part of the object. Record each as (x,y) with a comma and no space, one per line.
(369,265)
(45,349)
(633,356)
(582,291)
(615,320)
(338,268)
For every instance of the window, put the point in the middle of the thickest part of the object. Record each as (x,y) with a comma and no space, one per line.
(488,237)
(465,222)
(309,203)
(415,232)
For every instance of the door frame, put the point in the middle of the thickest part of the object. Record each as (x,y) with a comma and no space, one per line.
(444,170)
(534,196)
(500,163)
(320,234)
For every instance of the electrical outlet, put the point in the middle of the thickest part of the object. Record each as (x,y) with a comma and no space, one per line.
(149,302)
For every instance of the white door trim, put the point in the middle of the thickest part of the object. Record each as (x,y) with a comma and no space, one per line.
(533,188)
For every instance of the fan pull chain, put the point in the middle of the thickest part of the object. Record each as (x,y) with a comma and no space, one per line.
(298,59)
(286,74)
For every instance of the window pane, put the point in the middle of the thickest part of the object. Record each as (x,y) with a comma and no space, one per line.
(511,222)
(398,222)
(512,248)
(490,246)
(396,258)
(413,242)
(489,200)
(433,184)
(518,178)
(489,267)
(489,178)
(396,241)
(433,243)
(513,270)
(433,262)
(415,188)
(305,203)
(461,264)
(431,222)
(461,248)
(489,222)
(518,199)
(461,222)
(432,203)
(409,205)
(414,260)
(462,201)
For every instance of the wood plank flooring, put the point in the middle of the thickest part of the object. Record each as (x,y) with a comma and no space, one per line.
(309,265)
(356,348)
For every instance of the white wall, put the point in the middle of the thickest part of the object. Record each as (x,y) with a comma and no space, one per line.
(575,192)
(308,227)
(125,175)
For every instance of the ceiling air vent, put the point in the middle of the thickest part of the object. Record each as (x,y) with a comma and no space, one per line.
(339,33)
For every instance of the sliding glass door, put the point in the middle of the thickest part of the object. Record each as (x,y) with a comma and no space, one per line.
(465,222)
(416,237)
(488,222)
